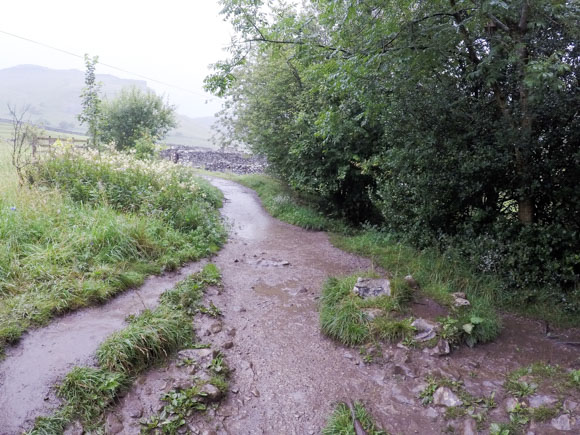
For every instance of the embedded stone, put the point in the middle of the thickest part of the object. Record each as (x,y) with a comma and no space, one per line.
(372,288)
(445,397)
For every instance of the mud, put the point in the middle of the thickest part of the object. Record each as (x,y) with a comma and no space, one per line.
(286,376)
(45,355)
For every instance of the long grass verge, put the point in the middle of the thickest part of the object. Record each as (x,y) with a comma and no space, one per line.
(148,339)
(88,226)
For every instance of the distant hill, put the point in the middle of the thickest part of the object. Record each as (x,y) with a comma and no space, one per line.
(53,97)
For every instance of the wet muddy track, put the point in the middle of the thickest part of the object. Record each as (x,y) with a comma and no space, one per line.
(286,375)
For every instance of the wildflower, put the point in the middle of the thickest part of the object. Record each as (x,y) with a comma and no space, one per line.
(13,208)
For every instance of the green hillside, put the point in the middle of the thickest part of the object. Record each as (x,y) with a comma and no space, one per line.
(53,98)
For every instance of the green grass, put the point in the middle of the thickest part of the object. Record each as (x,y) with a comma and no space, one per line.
(343,319)
(148,339)
(91,227)
(341,422)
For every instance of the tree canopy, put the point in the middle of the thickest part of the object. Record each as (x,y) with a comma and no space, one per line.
(452,123)
(135,115)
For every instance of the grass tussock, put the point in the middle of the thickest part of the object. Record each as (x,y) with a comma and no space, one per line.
(341,422)
(91,225)
(343,317)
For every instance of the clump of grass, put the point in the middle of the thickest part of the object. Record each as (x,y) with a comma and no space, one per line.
(341,422)
(87,391)
(437,274)
(342,315)
(150,337)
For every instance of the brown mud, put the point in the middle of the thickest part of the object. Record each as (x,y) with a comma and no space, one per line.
(286,377)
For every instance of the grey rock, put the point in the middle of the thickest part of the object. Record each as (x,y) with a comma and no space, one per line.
(228,345)
(371,288)
(442,348)
(209,432)
(469,427)
(372,313)
(183,384)
(426,330)
(431,413)
(404,370)
(538,400)
(195,354)
(570,405)
(212,393)
(562,423)
(460,300)
(113,425)
(445,397)
(231,332)
(210,160)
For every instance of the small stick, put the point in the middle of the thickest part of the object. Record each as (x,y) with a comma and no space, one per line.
(358,429)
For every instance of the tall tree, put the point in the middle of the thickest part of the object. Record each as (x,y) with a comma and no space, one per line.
(91,101)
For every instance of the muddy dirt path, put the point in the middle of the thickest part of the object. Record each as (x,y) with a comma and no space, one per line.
(45,355)
(287,376)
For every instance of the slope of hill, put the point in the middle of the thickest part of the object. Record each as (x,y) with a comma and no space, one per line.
(53,97)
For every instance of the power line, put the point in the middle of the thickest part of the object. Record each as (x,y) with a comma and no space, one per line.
(42,44)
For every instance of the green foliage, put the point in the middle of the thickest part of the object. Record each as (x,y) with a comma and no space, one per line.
(91,101)
(136,119)
(341,422)
(87,391)
(92,226)
(449,126)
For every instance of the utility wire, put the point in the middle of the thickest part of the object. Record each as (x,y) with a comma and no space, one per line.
(70,53)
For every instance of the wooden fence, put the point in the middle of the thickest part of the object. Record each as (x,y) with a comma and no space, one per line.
(45,144)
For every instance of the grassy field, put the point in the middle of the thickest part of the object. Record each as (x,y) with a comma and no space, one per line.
(90,227)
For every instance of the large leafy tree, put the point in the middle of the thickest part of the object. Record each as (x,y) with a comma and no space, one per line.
(455,119)
(134,115)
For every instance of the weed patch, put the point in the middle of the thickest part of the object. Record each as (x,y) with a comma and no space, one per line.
(341,421)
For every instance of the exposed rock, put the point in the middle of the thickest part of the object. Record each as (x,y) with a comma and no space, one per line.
(445,397)
(215,161)
(460,300)
(570,405)
(538,400)
(469,427)
(372,313)
(195,354)
(431,413)
(272,263)
(372,288)
(404,370)
(411,282)
(113,425)
(231,332)
(426,330)
(562,423)
(228,344)
(212,393)
(183,384)
(442,348)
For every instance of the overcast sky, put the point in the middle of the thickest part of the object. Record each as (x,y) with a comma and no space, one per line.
(173,41)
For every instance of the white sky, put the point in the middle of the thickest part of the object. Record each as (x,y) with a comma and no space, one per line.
(173,41)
